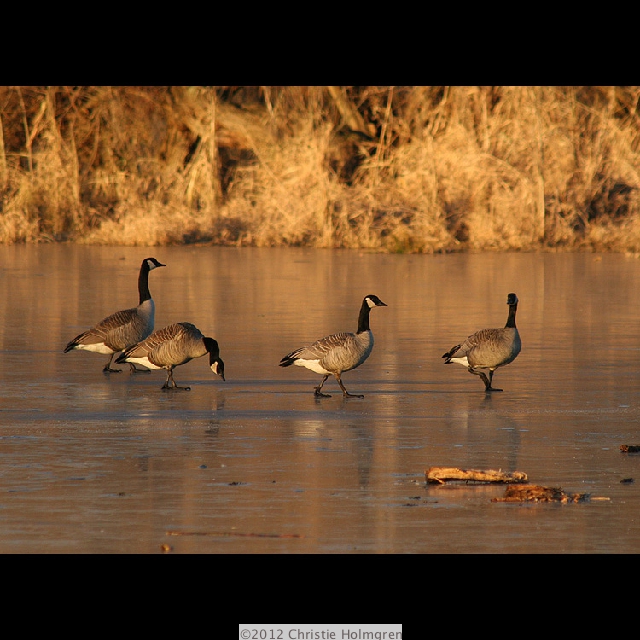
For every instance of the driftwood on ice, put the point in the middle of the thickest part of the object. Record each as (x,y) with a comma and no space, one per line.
(439,475)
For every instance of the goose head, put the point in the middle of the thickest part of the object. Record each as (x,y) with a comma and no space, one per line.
(373,301)
(152,264)
(215,361)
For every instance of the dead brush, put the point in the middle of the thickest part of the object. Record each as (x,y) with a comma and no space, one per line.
(396,169)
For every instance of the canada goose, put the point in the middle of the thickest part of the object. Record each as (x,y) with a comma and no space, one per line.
(122,328)
(172,346)
(489,348)
(337,353)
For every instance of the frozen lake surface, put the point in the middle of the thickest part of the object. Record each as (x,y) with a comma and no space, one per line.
(109,463)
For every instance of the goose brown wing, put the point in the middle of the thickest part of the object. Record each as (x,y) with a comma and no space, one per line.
(114,331)
(156,339)
(475,340)
(123,329)
(321,348)
(167,345)
(349,351)
(488,347)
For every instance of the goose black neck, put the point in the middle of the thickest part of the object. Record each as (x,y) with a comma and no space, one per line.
(143,282)
(363,318)
(511,320)
(212,347)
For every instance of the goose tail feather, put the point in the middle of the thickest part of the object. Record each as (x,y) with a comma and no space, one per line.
(450,354)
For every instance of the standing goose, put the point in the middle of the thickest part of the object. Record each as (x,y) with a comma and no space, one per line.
(337,353)
(172,346)
(489,348)
(123,328)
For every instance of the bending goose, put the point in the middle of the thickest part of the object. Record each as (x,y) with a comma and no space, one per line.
(123,328)
(489,348)
(172,346)
(337,353)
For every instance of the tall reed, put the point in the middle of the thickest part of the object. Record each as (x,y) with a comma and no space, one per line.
(406,169)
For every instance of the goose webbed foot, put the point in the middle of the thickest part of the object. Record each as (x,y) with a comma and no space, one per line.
(317,390)
(345,393)
(107,367)
(170,384)
(487,381)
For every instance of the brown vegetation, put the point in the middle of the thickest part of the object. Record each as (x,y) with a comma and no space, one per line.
(404,169)
(537,493)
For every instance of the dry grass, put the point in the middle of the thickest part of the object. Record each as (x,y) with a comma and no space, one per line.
(409,169)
